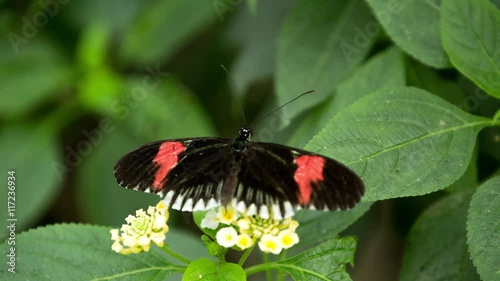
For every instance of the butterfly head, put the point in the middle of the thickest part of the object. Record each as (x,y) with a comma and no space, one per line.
(245,134)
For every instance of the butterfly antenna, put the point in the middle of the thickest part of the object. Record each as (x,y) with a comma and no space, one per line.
(280,107)
(233,87)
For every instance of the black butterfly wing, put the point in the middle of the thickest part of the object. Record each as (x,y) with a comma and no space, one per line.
(278,176)
(188,173)
(257,178)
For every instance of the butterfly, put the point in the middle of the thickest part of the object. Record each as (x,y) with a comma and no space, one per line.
(257,178)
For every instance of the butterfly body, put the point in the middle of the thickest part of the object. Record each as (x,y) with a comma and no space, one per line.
(265,179)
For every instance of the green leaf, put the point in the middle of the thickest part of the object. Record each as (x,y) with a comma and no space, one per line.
(93,45)
(163,27)
(470,31)
(401,141)
(185,243)
(99,88)
(166,110)
(383,70)
(320,43)
(414,26)
(252,6)
(436,248)
(326,261)
(386,69)
(469,179)
(82,13)
(33,153)
(256,36)
(30,74)
(205,269)
(428,79)
(81,252)
(316,227)
(99,85)
(483,224)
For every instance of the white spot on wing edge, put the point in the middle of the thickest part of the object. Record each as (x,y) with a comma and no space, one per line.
(288,209)
(275,210)
(168,198)
(211,204)
(241,207)
(252,210)
(199,206)
(264,212)
(178,202)
(188,206)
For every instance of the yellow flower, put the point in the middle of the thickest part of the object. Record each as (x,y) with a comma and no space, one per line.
(244,241)
(270,244)
(142,229)
(227,214)
(288,238)
(244,231)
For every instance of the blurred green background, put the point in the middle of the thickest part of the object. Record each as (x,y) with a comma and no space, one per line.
(84,82)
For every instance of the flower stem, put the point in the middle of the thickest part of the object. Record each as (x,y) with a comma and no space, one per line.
(259,267)
(245,255)
(176,256)
(283,255)
(268,271)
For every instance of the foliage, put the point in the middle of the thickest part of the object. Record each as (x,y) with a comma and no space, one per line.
(407,95)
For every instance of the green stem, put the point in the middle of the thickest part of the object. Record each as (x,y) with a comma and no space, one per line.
(283,255)
(245,255)
(268,271)
(176,256)
(259,268)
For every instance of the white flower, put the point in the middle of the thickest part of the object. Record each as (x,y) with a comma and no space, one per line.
(243,224)
(270,244)
(114,234)
(158,238)
(226,237)
(141,230)
(244,231)
(288,238)
(210,220)
(293,225)
(244,241)
(117,247)
(227,214)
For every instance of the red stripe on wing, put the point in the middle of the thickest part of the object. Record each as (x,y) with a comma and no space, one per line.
(309,169)
(166,159)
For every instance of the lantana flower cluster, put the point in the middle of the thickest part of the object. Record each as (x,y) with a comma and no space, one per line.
(244,231)
(142,229)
